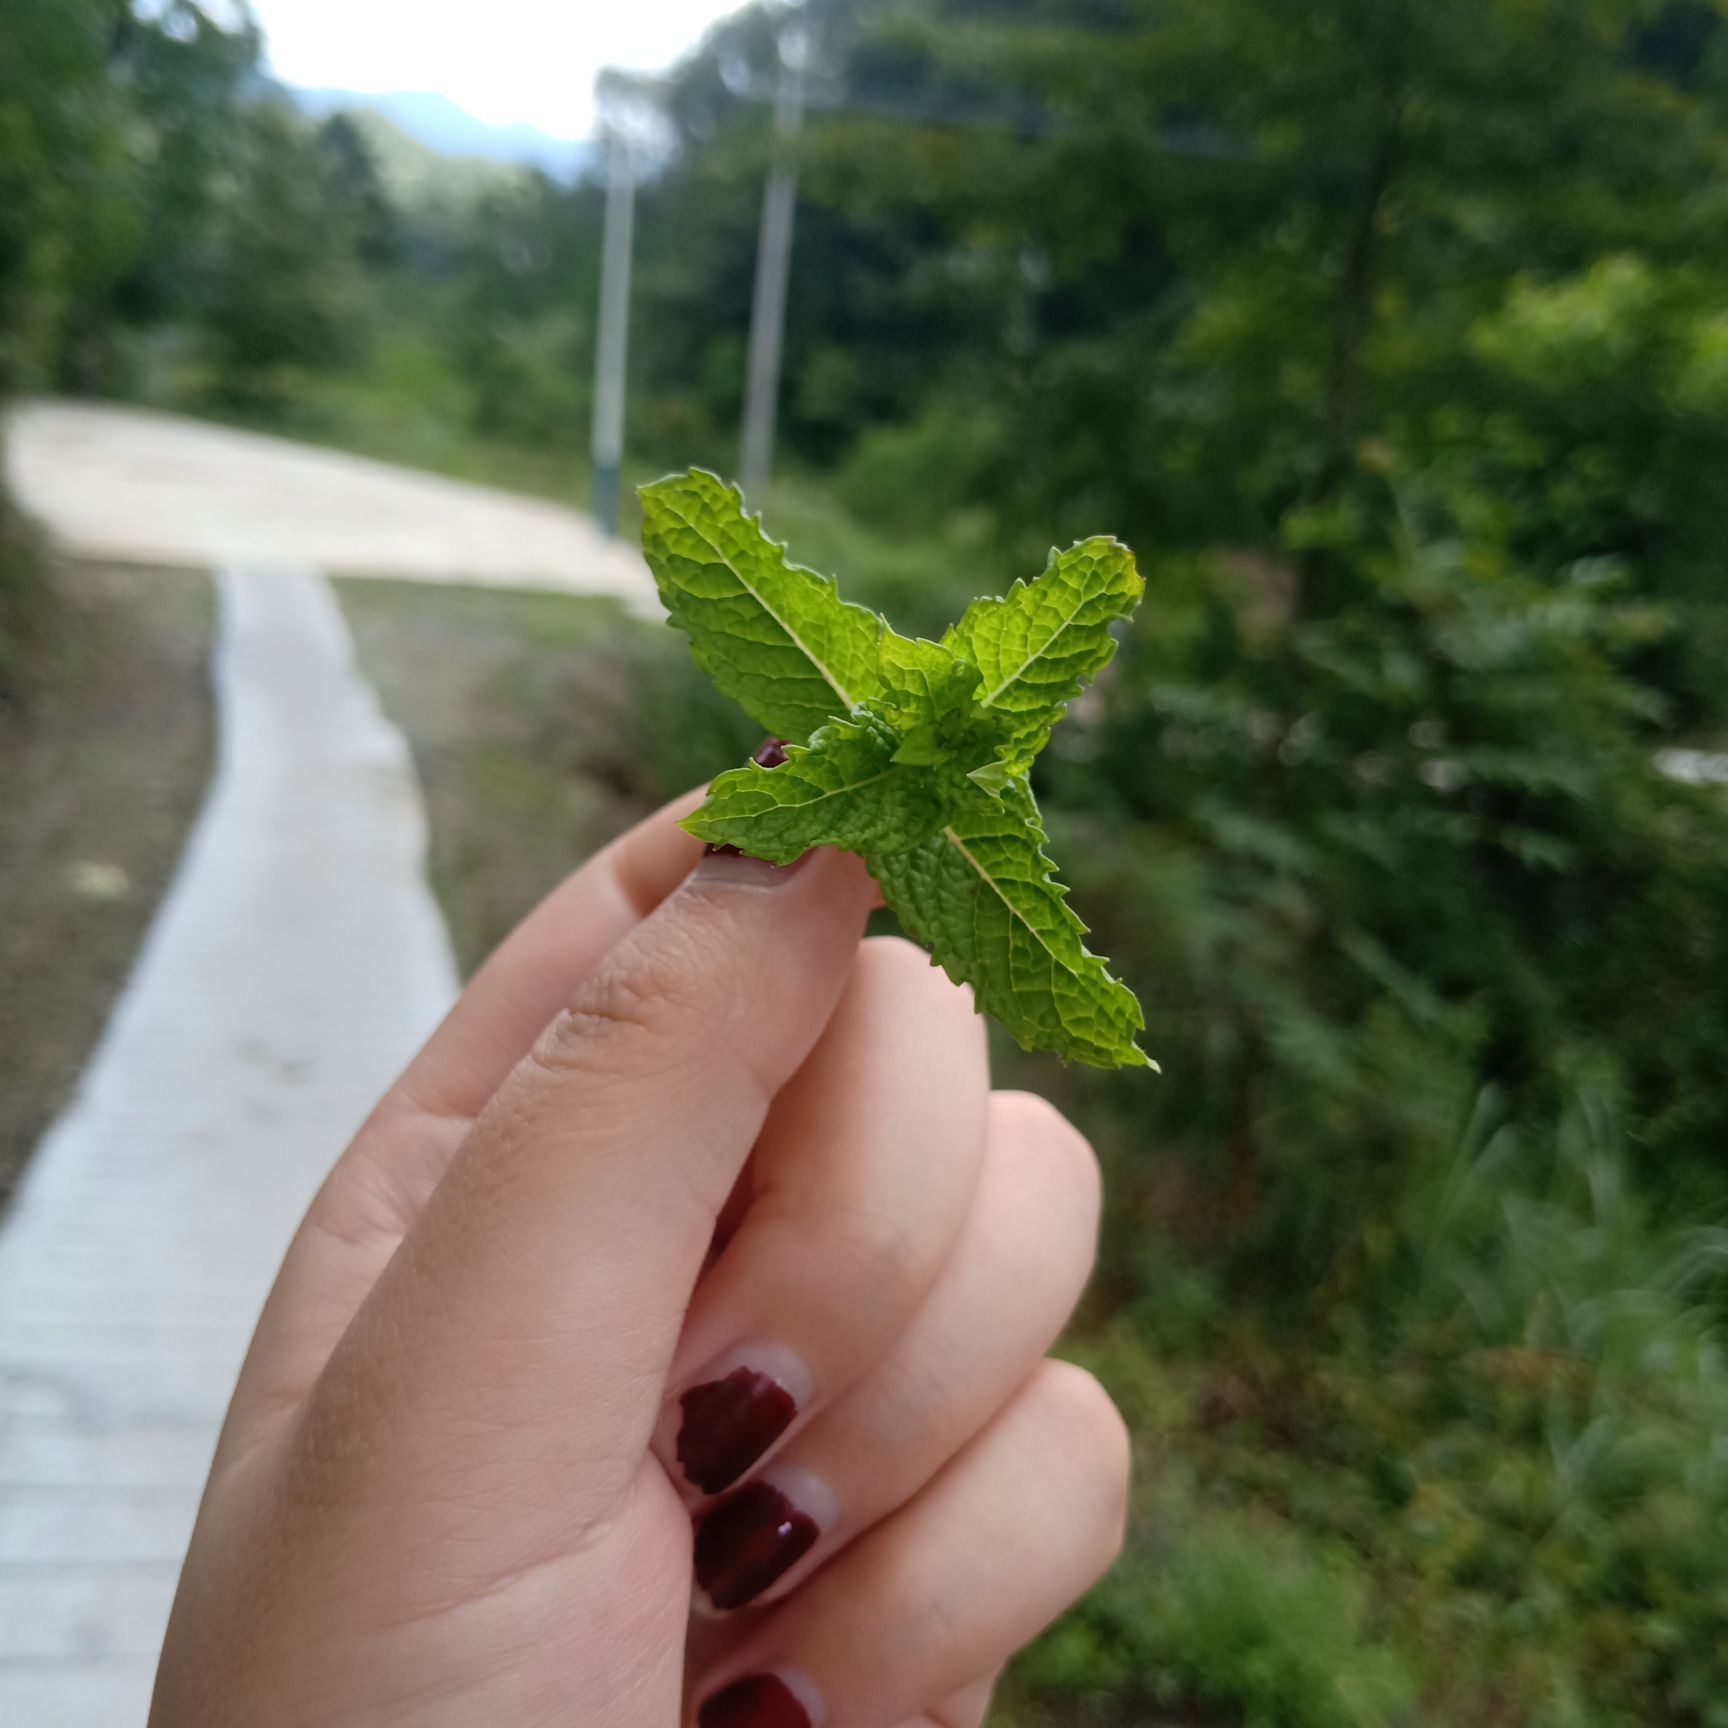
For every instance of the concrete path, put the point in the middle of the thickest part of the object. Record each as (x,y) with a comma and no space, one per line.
(157,489)
(296,963)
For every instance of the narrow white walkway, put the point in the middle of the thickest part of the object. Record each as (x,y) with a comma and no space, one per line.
(158,489)
(297,962)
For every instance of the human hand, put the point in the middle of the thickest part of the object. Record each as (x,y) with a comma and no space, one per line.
(692,1195)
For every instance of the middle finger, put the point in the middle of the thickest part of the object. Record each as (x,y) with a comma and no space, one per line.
(1004,1296)
(860,1183)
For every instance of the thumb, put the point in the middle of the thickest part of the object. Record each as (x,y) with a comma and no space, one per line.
(538,1298)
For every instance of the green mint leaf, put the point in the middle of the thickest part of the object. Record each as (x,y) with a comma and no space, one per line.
(1039,645)
(929,697)
(922,681)
(993,777)
(776,638)
(913,754)
(844,790)
(983,897)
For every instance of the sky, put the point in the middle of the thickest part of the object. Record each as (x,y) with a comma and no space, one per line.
(503,60)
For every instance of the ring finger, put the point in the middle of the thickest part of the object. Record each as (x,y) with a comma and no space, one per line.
(1028,1517)
(1016,1273)
(860,1182)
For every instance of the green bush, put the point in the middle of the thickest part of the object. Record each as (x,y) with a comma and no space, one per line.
(1225,1609)
(530,381)
(916,476)
(656,725)
(1485,1485)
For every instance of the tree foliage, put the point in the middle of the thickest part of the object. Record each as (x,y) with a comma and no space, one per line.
(288,290)
(67,224)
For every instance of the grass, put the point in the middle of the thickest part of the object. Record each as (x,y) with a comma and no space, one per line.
(541,726)
(1229,1616)
(28,602)
(106,736)
(405,407)
(1491,1491)
(475,679)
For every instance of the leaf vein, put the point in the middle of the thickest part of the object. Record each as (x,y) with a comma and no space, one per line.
(1036,655)
(990,881)
(761,600)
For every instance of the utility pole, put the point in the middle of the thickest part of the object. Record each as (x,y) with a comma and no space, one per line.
(612,349)
(773,267)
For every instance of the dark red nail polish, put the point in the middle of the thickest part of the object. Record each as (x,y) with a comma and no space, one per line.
(714,851)
(772,753)
(748,1541)
(728,1424)
(762,1701)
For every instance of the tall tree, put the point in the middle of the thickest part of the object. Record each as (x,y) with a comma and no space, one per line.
(68,220)
(188,78)
(289,292)
(1312,306)
(357,186)
(68,227)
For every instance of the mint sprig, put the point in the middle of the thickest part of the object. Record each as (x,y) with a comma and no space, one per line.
(913,754)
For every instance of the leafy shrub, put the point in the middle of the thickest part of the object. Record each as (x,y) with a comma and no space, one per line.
(1486,1485)
(657,724)
(915,476)
(529,381)
(1230,1610)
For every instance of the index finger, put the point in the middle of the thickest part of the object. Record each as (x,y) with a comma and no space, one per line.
(540,1293)
(378,1186)
(529,977)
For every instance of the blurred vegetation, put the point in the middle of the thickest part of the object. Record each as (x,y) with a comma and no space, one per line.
(1392,335)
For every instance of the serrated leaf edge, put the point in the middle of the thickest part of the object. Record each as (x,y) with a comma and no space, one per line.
(847,701)
(800,803)
(1032,929)
(1019,671)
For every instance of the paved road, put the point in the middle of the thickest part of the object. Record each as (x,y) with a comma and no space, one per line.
(157,489)
(298,960)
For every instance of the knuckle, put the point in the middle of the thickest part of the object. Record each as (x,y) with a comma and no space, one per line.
(1095,1440)
(925,1614)
(1031,1117)
(874,1251)
(896,967)
(1034,1126)
(630,1017)
(890,957)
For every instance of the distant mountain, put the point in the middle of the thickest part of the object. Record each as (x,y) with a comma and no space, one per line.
(416,175)
(436,122)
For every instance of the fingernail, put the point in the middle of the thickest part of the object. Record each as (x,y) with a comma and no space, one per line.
(731,1416)
(779,1700)
(728,864)
(748,1542)
(769,754)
